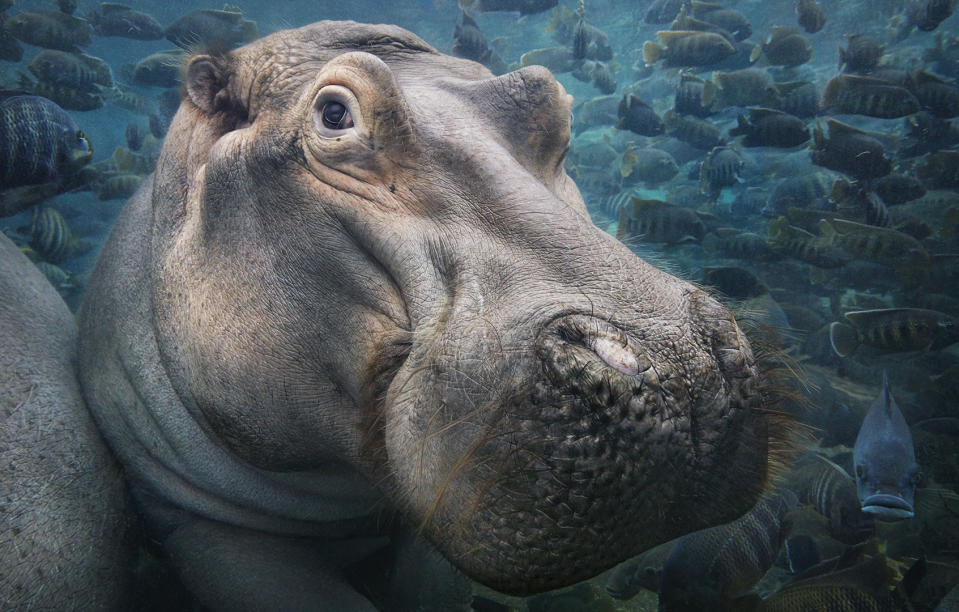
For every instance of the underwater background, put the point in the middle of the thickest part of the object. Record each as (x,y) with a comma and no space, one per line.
(800,159)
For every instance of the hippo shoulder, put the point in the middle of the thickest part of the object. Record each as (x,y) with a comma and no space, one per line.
(64,517)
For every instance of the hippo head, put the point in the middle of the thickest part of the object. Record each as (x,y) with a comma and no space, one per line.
(369,252)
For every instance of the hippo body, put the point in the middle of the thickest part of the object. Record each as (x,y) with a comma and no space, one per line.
(66,524)
(360,312)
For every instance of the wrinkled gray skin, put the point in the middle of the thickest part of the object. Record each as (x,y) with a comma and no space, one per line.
(65,519)
(294,328)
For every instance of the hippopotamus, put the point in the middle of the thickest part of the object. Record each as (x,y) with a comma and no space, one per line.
(360,311)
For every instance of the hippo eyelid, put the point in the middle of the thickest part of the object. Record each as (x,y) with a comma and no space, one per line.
(341,95)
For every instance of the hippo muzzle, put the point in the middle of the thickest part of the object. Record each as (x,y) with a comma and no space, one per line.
(366,276)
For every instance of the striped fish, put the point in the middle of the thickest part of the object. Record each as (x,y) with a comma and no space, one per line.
(49,234)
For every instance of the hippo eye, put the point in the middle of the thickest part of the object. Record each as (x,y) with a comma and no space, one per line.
(335,112)
(336,116)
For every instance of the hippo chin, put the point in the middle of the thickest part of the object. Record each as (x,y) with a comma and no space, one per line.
(361,281)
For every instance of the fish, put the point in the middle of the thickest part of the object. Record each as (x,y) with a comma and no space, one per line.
(707,568)
(116,19)
(809,15)
(721,168)
(40,144)
(658,221)
(934,94)
(687,48)
(588,41)
(767,127)
(595,112)
(67,6)
(798,98)
(118,186)
(523,7)
(601,77)
(637,117)
(694,132)
(468,41)
(878,244)
(688,99)
(862,53)
(747,87)
(647,165)
(50,236)
(684,22)
(927,133)
(57,276)
(10,49)
(134,135)
(730,20)
(735,282)
(67,97)
(885,462)
(50,29)
(863,95)
(893,330)
(211,29)
(895,189)
(803,191)
(128,99)
(939,170)
(642,572)
(853,202)
(557,59)
(805,246)
(850,151)
(928,14)
(784,47)
(734,243)
(75,70)
(831,491)
(872,584)
(161,69)
(663,11)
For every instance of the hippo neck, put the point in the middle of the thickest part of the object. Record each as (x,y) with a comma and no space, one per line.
(169,459)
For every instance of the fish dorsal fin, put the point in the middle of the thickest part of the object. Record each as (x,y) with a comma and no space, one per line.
(668,37)
(785,89)
(921,76)
(838,127)
(639,205)
(110,8)
(860,80)
(760,112)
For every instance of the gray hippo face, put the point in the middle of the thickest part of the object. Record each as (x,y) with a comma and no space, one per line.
(369,252)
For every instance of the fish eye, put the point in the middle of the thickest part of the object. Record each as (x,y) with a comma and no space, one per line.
(336,116)
(83,141)
(860,471)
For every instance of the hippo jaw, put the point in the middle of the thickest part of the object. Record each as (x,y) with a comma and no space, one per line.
(594,450)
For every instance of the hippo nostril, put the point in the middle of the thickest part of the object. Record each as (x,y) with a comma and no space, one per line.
(615,355)
(569,344)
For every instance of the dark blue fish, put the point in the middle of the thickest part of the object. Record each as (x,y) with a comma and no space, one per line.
(886,468)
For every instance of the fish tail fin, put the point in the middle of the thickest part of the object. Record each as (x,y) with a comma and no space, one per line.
(710,92)
(843,338)
(818,137)
(651,52)
(742,127)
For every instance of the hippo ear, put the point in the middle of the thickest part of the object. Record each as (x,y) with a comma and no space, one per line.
(206,80)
